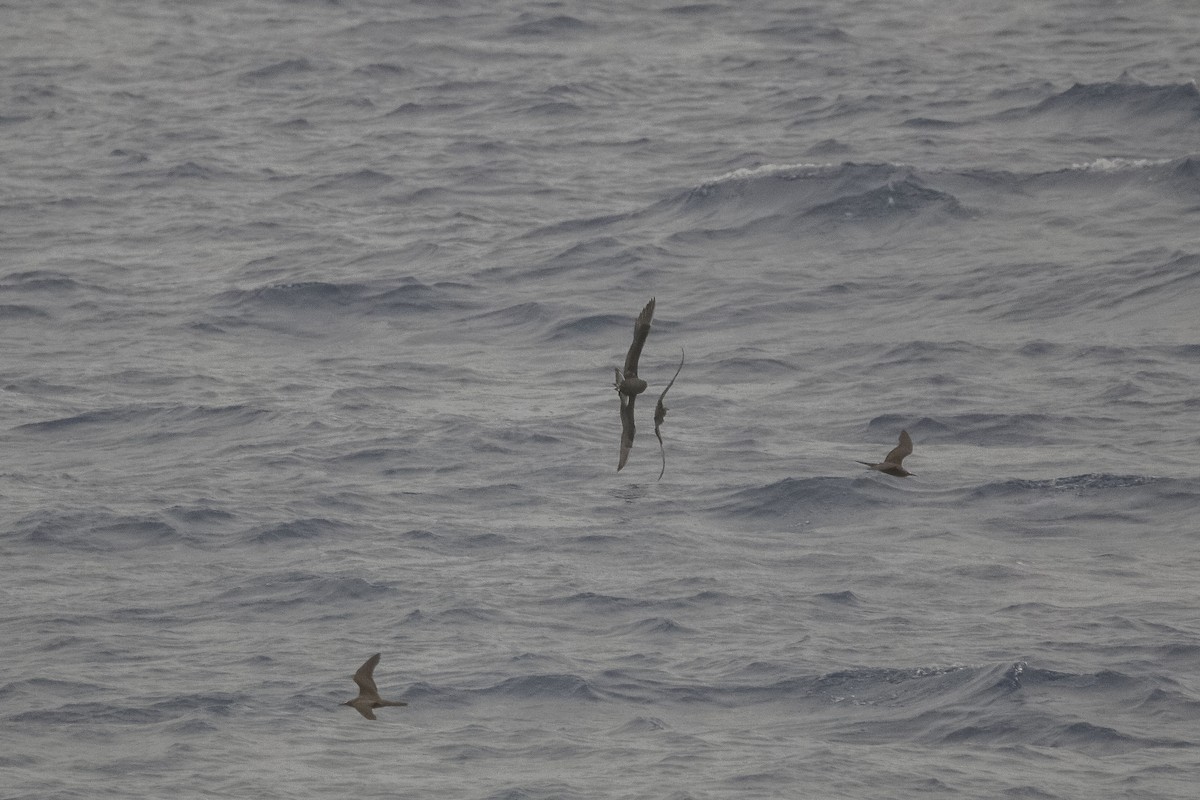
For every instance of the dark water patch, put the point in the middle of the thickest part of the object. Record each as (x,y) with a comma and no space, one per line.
(931,123)
(281,69)
(415,109)
(842,598)
(381,70)
(295,300)
(548,790)
(597,601)
(484,541)
(10,312)
(906,198)
(989,572)
(641,724)
(357,180)
(590,326)
(553,109)
(190,727)
(427,694)
(1170,705)
(1028,793)
(271,592)
(985,430)
(420,535)
(466,615)
(695,9)
(1102,740)
(552,686)
(800,496)
(529,315)
(38,281)
(924,352)
(1126,97)
(1152,286)
(655,626)
(215,704)
(304,294)
(157,421)
(1086,484)
(747,366)
(190,170)
(200,514)
(96,530)
(296,530)
(536,25)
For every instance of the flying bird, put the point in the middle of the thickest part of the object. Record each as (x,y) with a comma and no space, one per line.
(660,414)
(368,696)
(891,462)
(628,384)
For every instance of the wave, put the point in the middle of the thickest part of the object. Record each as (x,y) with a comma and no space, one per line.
(324,593)
(296,530)
(95,530)
(554,686)
(552,26)
(17,312)
(298,299)
(1128,97)
(792,496)
(39,281)
(280,69)
(987,430)
(1088,483)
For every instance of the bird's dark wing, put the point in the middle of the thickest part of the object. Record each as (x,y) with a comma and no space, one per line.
(901,450)
(660,414)
(366,712)
(627,429)
(365,678)
(641,329)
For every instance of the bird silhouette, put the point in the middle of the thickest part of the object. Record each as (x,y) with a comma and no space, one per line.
(368,696)
(628,384)
(891,462)
(660,414)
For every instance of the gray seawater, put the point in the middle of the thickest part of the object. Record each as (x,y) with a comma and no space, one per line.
(309,314)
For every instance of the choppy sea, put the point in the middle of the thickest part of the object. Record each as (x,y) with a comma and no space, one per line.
(309,314)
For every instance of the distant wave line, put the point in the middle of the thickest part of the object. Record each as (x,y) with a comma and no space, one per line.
(772,170)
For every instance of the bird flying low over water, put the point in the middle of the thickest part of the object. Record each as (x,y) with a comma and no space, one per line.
(629,386)
(660,414)
(891,462)
(368,696)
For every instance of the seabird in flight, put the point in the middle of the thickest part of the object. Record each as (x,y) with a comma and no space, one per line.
(368,696)
(628,384)
(891,462)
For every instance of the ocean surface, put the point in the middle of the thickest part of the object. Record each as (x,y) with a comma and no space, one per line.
(310,312)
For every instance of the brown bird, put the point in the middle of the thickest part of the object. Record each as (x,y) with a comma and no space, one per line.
(368,696)
(891,462)
(628,384)
(660,414)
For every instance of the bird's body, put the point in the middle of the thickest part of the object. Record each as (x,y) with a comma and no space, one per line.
(891,464)
(368,696)
(628,384)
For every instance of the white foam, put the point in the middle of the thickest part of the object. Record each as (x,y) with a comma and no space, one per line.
(1118,164)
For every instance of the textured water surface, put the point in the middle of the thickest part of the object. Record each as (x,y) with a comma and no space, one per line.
(310,311)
